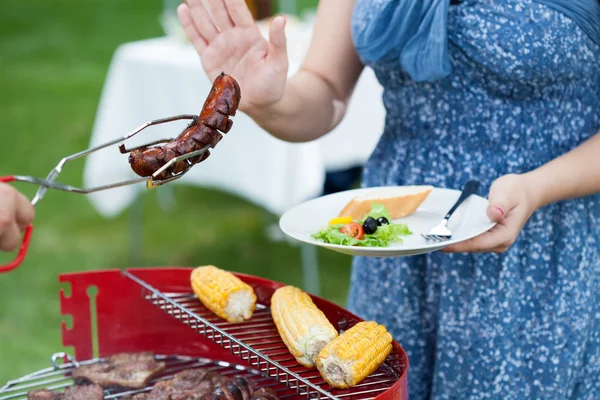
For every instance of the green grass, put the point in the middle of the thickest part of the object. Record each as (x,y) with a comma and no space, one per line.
(54,57)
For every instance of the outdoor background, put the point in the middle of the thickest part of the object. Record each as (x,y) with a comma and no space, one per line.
(53,59)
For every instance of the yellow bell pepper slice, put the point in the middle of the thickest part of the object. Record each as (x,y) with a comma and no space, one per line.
(340,220)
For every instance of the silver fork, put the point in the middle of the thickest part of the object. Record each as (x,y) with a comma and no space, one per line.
(441,232)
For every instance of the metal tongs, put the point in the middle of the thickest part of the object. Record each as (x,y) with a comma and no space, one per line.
(49,182)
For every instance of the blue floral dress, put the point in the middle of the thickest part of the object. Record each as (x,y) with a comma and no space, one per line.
(524,324)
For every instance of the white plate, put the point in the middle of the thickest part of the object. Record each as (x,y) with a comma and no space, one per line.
(468,221)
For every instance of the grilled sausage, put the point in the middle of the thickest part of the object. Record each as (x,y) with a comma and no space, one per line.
(221,103)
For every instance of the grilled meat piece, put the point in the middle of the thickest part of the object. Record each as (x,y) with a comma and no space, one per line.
(245,386)
(233,391)
(189,384)
(158,392)
(221,103)
(264,394)
(238,388)
(216,394)
(127,370)
(83,392)
(202,384)
(193,384)
(44,394)
(189,378)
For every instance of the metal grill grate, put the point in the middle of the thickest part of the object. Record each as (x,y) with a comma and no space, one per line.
(59,377)
(257,341)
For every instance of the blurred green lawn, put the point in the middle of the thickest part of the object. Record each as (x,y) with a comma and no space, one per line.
(53,60)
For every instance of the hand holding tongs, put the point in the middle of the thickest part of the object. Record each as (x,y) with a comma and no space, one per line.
(49,182)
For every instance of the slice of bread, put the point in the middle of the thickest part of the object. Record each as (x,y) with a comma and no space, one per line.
(400,201)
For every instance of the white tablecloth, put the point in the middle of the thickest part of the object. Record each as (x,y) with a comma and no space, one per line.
(163,77)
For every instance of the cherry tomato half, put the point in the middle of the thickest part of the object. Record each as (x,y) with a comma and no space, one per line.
(353,229)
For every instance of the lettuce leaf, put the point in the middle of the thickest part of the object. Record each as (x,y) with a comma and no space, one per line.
(377,211)
(332,235)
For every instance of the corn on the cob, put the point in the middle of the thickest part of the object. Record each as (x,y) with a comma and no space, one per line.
(223,293)
(354,354)
(304,328)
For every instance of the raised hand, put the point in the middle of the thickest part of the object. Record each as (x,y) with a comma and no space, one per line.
(232,43)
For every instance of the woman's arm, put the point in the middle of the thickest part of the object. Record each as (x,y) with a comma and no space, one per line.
(514,198)
(574,174)
(316,97)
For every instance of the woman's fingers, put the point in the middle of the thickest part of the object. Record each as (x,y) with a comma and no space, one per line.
(220,14)
(185,18)
(15,214)
(10,236)
(25,211)
(277,41)
(239,12)
(202,20)
(499,238)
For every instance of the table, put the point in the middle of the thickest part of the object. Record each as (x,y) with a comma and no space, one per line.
(162,77)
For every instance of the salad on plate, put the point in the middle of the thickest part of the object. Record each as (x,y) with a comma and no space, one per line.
(376,229)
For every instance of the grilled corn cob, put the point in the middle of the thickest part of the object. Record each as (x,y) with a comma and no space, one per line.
(304,328)
(354,354)
(223,293)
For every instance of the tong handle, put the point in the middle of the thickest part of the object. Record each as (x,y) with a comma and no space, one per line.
(24,244)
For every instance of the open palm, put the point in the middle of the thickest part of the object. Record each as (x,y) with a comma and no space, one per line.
(233,44)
